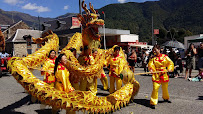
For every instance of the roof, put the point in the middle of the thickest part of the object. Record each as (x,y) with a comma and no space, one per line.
(112,32)
(58,24)
(12,25)
(18,37)
(199,39)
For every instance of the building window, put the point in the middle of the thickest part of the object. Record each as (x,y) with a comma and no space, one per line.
(29,51)
(29,43)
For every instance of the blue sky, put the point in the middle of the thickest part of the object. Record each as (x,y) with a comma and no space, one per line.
(54,8)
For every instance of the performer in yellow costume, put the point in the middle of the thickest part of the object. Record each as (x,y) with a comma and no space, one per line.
(159,63)
(116,67)
(48,71)
(62,77)
(83,61)
(92,84)
(74,79)
(103,78)
(86,59)
(83,58)
(48,68)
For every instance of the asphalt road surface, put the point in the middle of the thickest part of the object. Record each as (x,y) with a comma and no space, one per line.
(186,97)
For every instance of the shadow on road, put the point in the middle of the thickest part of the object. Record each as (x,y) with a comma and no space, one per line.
(143,102)
(10,109)
(149,75)
(45,111)
(101,91)
(200,98)
(100,87)
(102,94)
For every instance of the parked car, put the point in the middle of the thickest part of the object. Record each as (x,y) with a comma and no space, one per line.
(3,65)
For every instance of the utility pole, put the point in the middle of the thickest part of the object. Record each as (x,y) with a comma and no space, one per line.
(104,33)
(39,21)
(104,38)
(80,11)
(12,17)
(152,32)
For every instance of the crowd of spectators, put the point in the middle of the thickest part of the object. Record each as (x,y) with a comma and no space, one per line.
(192,53)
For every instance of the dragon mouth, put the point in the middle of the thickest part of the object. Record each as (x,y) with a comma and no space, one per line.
(95,31)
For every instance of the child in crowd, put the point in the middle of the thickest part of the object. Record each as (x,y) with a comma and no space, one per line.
(197,78)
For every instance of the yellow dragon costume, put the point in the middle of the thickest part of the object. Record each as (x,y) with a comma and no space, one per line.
(75,100)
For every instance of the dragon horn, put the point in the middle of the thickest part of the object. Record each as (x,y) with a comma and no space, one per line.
(50,32)
(81,19)
(92,9)
(84,6)
(45,34)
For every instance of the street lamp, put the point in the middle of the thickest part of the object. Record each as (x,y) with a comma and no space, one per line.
(80,11)
(153,42)
(104,31)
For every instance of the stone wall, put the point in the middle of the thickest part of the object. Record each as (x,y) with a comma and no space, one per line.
(34,47)
(20,49)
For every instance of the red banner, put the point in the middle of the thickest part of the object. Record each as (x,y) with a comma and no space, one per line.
(137,43)
(75,21)
(156,31)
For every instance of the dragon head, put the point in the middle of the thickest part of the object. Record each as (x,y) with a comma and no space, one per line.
(44,37)
(90,24)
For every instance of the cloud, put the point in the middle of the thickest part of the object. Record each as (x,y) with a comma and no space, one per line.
(66,7)
(121,1)
(36,8)
(13,2)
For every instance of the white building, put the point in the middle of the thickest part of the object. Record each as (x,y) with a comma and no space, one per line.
(122,38)
(187,43)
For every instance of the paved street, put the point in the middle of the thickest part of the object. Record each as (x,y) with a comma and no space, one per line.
(186,97)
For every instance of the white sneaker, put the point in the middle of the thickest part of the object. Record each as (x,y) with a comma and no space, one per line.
(189,79)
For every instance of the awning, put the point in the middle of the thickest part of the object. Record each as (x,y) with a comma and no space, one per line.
(137,45)
(199,39)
